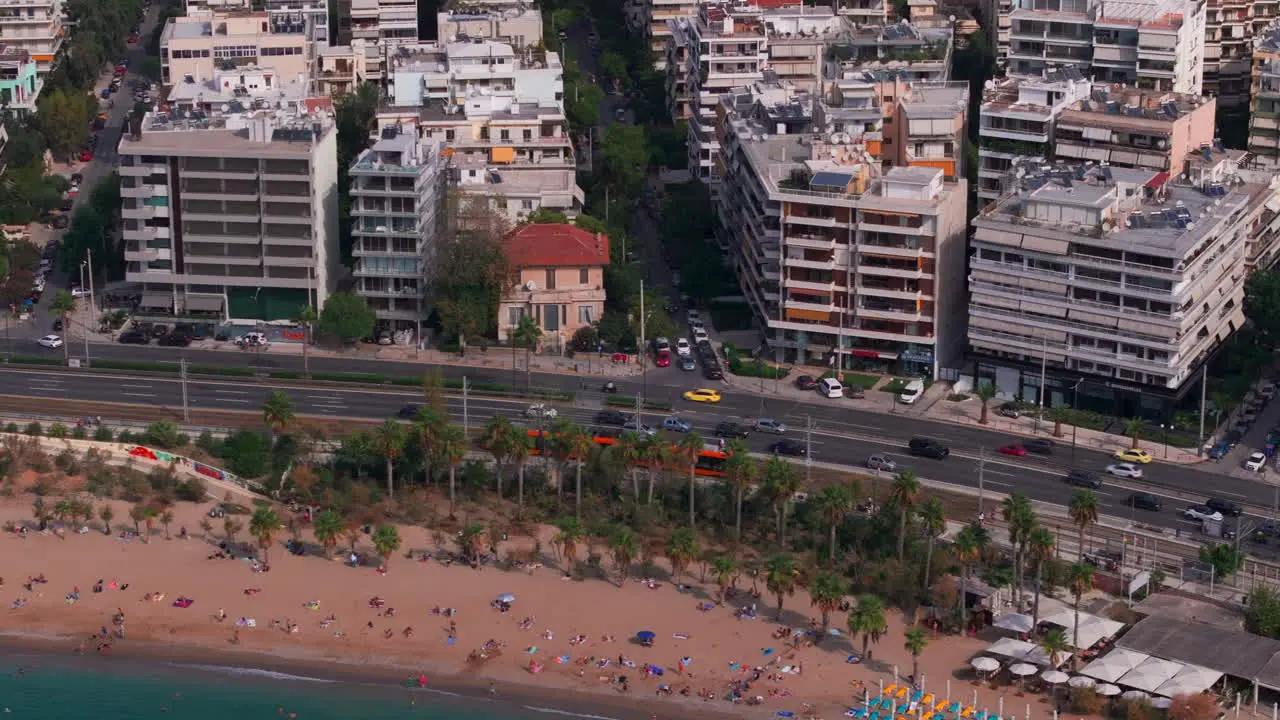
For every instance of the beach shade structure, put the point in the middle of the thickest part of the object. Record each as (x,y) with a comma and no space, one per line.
(1107,690)
(1054,677)
(1015,622)
(986,664)
(646,637)
(1161,703)
(1081,681)
(506,598)
(1135,695)
(1022,669)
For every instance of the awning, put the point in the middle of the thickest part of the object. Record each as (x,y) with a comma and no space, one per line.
(204,304)
(1151,674)
(998,237)
(1191,679)
(1112,666)
(157,300)
(794,314)
(1160,179)
(502,155)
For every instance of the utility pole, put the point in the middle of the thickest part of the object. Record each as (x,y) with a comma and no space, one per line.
(982,470)
(1044,361)
(644,376)
(808,449)
(93,305)
(1204,391)
(85,326)
(465,418)
(182,373)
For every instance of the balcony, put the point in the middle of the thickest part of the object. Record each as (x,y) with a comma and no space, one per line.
(885,271)
(823,287)
(864,290)
(815,242)
(898,315)
(811,264)
(811,307)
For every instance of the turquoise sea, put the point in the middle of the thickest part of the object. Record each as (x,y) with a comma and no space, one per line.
(39,686)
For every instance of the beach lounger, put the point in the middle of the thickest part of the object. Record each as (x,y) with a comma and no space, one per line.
(891,689)
(916,697)
(981,715)
(902,692)
(928,700)
(874,716)
(939,707)
(953,707)
(966,712)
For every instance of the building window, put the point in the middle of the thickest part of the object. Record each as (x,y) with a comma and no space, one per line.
(584,315)
(526,204)
(514,316)
(584,276)
(504,134)
(551,278)
(448,135)
(528,134)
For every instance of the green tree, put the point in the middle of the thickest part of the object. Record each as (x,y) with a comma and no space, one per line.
(613,65)
(63,305)
(63,118)
(327,529)
(867,619)
(247,453)
(582,104)
(624,157)
(1224,558)
(1054,643)
(1133,427)
(933,522)
(347,316)
(498,439)
(263,526)
(386,541)
(106,514)
(307,317)
(725,569)
(986,392)
(741,470)
(826,592)
(1262,612)
(1080,580)
(687,452)
(451,448)
(471,269)
(277,412)
(388,441)
(781,480)
(1021,518)
(164,434)
(624,547)
(914,641)
(682,548)
(571,532)
(1083,510)
(834,503)
(526,334)
(1040,547)
(780,578)
(904,493)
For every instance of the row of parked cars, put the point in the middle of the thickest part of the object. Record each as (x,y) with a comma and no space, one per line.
(143,333)
(1252,405)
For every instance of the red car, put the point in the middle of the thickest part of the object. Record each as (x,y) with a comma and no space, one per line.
(85,156)
(1015,450)
(663,359)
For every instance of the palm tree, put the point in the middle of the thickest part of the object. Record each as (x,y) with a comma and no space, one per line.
(571,533)
(496,438)
(578,444)
(914,641)
(742,471)
(450,446)
(682,548)
(834,502)
(427,426)
(726,572)
(230,526)
(986,392)
(867,619)
(166,519)
(137,514)
(386,541)
(307,317)
(471,542)
(624,547)
(526,335)
(782,481)
(688,452)
(1080,580)
(556,444)
(629,451)
(263,525)
(1133,427)
(519,448)
(905,493)
(780,578)
(388,441)
(656,455)
(968,549)
(1059,415)
(277,412)
(1084,511)
(1054,643)
(1021,518)
(327,529)
(63,305)
(933,522)
(826,592)
(1040,546)
(106,514)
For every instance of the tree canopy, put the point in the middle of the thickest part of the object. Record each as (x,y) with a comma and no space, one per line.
(347,316)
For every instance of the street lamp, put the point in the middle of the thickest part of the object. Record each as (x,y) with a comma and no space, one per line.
(1164,432)
(1075,395)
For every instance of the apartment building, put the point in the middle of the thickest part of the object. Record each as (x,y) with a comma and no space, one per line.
(1116,284)
(231,214)
(931,127)
(516,23)
(303,17)
(1130,127)
(389,22)
(1264,98)
(499,113)
(559,281)
(1017,119)
(340,68)
(35,27)
(397,197)
(842,264)
(20,81)
(1232,28)
(197,45)
(911,53)
(865,12)
(1149,44)
(654,19)
(798,37)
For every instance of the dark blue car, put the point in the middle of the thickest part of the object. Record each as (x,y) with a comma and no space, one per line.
(1219,450)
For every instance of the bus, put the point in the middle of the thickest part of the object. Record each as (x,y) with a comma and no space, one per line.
(711,460)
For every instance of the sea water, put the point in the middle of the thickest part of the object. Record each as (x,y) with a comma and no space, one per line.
(37,686)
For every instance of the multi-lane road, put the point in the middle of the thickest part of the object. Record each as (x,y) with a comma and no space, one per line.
(840,435)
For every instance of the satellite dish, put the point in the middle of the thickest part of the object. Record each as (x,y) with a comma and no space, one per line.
(225,107)
(531,286)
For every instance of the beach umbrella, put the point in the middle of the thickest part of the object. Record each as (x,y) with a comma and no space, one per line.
(646,636)
(986,664)
(1107,690)
(1054,677)
(1161,703)
(507,598)
(1080,681)
(1135,695)
(1022,669)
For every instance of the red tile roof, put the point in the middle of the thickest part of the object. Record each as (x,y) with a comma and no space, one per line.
(556,245)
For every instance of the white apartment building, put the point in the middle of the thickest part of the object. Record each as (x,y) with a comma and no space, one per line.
(500,116)
(1264,99)
(397,196)
(843,264)
(1231,29)
(231,214)
(864,12)
(517,23)
(198,45)
(388,22)
(1149,44)
(34,26)
(1119,282)
(1017,119)
(305,17)
(903,50)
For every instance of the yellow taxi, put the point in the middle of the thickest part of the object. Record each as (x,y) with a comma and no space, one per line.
(1133,455)
(703,395)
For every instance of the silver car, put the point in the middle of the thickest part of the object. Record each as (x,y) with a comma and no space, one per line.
(769,425)
(882,462)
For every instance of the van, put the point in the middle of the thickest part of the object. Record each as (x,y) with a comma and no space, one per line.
(928,447)
(912,392)
(831,387)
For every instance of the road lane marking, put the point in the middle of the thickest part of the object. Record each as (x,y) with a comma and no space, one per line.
(231,392)
(151,395)
(232,400)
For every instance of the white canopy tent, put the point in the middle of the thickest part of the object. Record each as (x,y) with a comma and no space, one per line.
(1190,679)
(1023,651)
(1111,667)
(1092,627)
(1015,622)
(1151,674)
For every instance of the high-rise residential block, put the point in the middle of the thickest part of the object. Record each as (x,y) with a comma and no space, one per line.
(35,27)
(198,45)
(302,17)
(1131,127)
(387,22)
(1264,98)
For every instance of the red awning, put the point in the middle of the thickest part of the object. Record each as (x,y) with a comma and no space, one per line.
(866,354)
(1158,180)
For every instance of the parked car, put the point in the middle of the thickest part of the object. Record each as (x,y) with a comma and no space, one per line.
(1010,410)
(787,446)
(1144,501)
(1255,462)
(134,337)
(882,462)
(1084,479)
(769,425)
(729,429)
(174,339)
(806,382)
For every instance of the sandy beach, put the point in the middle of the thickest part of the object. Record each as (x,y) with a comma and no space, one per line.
(312,612)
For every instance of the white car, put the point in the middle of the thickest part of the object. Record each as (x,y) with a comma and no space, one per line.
(1256,462)
(78,292)
(50,341)
(692,317)
(541,410)
(683,348)
(660,344)
(700,335)
(634,426)
(1202,513)
(1125,470)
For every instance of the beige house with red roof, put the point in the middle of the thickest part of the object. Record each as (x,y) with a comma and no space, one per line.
(559,280)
